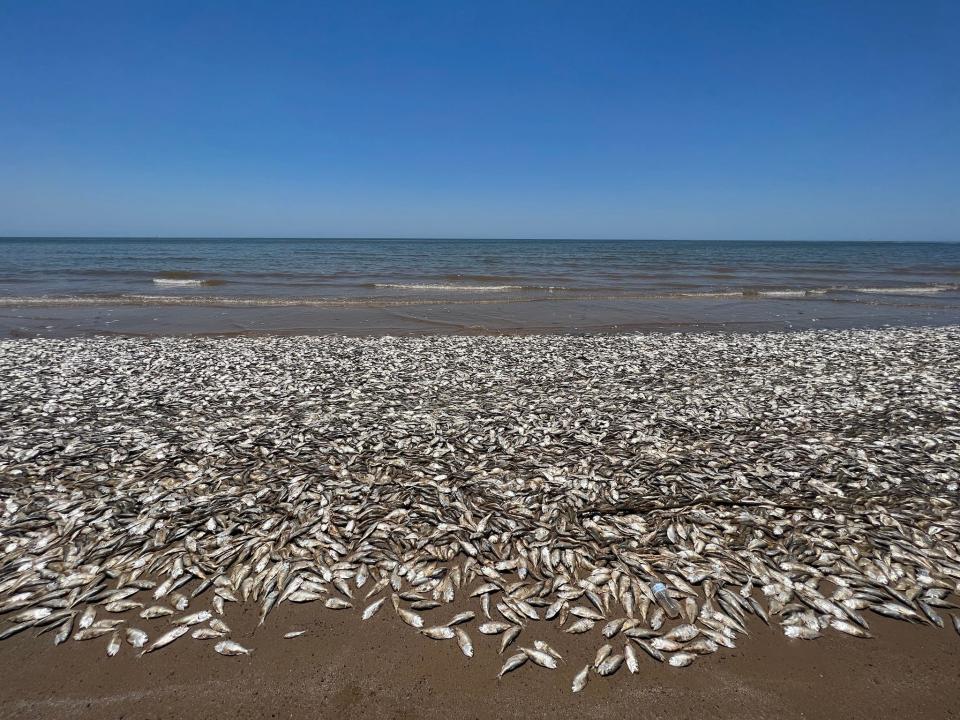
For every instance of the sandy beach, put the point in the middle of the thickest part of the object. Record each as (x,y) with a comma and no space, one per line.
(792,490)
(347,668)
(479,361)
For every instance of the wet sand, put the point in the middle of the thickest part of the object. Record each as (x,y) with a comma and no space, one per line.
(344,667)
(752,314)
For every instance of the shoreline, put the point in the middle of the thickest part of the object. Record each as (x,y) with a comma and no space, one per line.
(480,317)
(781,484)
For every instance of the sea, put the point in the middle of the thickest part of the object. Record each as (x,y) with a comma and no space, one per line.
(383,285)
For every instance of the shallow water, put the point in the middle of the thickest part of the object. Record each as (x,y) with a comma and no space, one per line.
(224,285)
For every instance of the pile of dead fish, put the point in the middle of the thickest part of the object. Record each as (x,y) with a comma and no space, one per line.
(804,480)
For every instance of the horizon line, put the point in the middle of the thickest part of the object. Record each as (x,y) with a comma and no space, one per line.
(456,237)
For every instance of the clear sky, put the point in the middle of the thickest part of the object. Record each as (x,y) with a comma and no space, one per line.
(750,120)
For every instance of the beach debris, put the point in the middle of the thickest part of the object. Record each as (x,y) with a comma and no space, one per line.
(663,493)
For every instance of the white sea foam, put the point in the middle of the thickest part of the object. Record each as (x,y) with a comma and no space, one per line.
(445,288)
(183,282)
(921,290)
(790,293)
(706,294)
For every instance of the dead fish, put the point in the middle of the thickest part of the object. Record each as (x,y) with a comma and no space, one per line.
(541,658)
(19,627)
(512,663)
(335,603)
(612,627)
(86,619)
(63,633)
(229,647)
(682,633)
(180,601)
(665,644)
(641,633)
(657,616)
(122,606)
(544,647)
(372,608)
(602,654)
(630,656)
(219,625)
(113,647)
(485,589)
(610,665)
(897,612)
(410,618)
(682,659)
(580,679)
(462,618)
(649,650)
(155,611)
(580,626)
(588,613)
(509,636)
(463,640)
(422,605)
(167,638)
(206,633)
(703,646)
(94,631)
(31,615)
(136,637)
(439,632)
(494,627)
(800,631)
(293,633)
(194,618)
(849,628)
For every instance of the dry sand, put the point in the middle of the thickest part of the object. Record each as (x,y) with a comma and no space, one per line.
(345,668)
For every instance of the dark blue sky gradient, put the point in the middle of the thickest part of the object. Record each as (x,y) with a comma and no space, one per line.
(748,120)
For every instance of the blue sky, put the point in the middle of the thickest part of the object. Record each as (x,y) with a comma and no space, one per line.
(749,120)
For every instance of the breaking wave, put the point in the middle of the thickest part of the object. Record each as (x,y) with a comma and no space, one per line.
(445,288)
(185,282)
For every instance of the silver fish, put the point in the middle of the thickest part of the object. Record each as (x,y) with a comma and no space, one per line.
(580,679)
(229,647)
(372,608)
(167,638)
(463,640)
(512,663)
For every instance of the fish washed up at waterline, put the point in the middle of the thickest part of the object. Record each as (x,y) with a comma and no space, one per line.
(806,480)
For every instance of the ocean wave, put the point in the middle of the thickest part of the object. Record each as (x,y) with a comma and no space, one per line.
(917,290)
(186,282)
(704,294)
(791,293)
(446,288)
(462,294)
